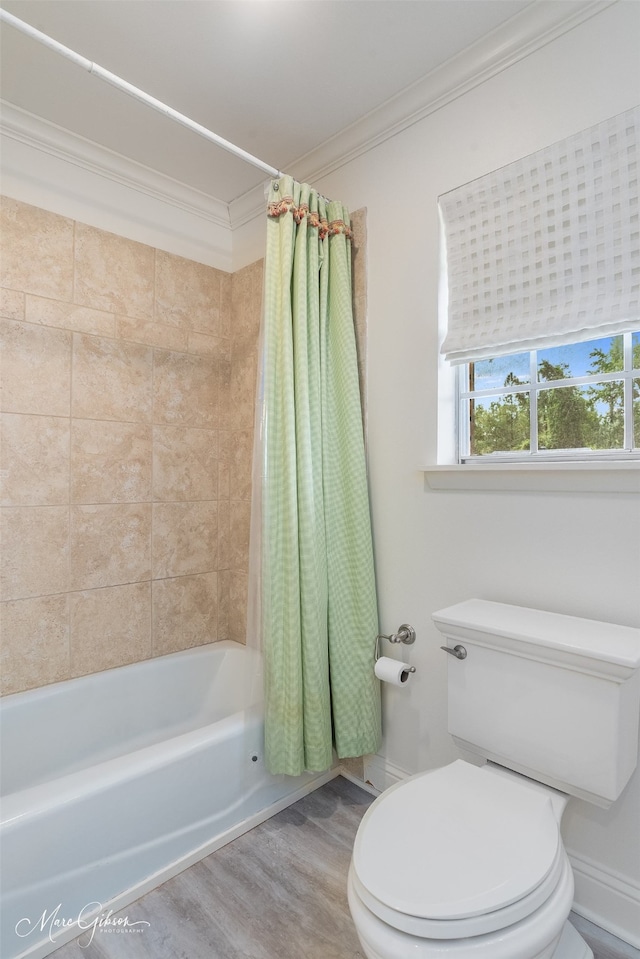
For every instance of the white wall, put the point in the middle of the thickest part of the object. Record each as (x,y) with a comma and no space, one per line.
(572,553)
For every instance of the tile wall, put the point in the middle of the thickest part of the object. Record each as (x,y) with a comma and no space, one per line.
(127,403)
(126,431)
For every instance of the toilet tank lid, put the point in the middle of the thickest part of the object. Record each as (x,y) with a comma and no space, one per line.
(606,642)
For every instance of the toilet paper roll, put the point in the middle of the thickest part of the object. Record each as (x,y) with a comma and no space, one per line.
(391,671)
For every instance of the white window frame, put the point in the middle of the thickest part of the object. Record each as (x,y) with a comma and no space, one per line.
(609,472)
(533,388)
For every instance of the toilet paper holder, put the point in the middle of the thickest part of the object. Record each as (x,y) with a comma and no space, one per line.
(406,634)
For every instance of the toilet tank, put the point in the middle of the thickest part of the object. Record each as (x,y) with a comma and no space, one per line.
(554,697)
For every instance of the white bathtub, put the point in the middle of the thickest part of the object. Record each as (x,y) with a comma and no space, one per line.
(113,783)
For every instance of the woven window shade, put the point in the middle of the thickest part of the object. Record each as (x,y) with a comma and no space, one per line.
(546,250)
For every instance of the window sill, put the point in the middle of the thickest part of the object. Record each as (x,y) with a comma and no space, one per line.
(597,477)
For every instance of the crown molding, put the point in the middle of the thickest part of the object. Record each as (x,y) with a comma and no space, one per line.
(50,139)
(533,28)
(247,207)
(523,34)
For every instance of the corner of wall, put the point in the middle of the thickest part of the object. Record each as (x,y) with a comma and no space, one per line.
(48,167)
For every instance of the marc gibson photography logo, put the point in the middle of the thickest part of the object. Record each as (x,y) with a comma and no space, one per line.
(90,919)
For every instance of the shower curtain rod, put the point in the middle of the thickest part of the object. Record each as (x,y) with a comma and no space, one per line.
(135,92)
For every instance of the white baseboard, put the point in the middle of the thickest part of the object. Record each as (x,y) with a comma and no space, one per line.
(381,773)
(606,898)
(358,782)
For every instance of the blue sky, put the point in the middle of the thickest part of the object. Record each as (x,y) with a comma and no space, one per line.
(492,373)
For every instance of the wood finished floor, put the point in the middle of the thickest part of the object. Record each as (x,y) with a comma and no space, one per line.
(278,892)
(603,944)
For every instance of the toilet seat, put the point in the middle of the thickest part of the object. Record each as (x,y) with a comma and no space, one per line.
(458,852)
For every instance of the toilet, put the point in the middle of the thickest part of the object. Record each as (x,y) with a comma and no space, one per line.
(467,861)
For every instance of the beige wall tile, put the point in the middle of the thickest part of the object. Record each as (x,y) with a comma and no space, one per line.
(110,545)
(35,642)
(113,273)
(152,333)
(109,627)
(36,250)
(68,316)
(238,584)
(12,304)
(225,399)
(360,323)
(358,252)
(246,306)
(112,379)
(257,272)
(239,528)
(246,303)
(35,369)
(225,439)
(185,390)
(242,392)
(184,538)
(224,534)
(35,551)
(224,585)
(225,304)
(223,478)
(217,346)
(146,345)
(34,460)
(240,464)
(240,299)
(185,612)
(187,293)
(110,462)
(185,463)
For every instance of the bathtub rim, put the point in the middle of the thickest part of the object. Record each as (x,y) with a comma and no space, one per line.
(51,689)
(14,705)
(34,801)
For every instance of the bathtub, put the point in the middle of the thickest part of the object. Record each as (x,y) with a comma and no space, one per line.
(113,783)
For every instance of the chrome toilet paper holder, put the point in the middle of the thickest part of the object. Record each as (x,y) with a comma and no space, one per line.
(406,634)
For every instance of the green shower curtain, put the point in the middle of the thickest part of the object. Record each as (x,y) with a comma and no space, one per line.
(319,608)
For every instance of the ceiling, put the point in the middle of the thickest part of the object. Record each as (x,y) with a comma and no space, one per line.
(276,77)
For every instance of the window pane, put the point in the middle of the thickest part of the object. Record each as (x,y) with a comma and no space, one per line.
(512,370)
(605,355)
(581,418)
(636,412)
(635,340)
(499,424)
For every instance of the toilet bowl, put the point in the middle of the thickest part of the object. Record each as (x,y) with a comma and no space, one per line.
(464,862)
(529,940)
(467,861)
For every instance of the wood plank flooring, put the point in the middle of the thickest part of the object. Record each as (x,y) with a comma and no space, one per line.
(604,945)
(278,892)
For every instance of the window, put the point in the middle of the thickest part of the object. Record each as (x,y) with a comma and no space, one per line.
(541,293)
(579,400)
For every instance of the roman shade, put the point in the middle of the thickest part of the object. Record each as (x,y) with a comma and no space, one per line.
(546,250)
